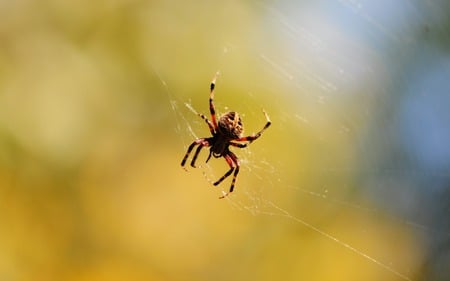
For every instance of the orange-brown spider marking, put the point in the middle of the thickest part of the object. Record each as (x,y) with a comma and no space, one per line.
(228,131)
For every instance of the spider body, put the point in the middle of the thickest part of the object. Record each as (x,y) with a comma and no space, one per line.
(230,125)
(228,130)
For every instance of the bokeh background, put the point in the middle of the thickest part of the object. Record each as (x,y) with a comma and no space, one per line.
(351,182)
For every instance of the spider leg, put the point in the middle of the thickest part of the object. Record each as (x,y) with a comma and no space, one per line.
(253,137)
(201,142)
(236,171)
(212,109)
(240,145)
(209,156)
(210,125)
(227,174)
(197,152)
(233,162)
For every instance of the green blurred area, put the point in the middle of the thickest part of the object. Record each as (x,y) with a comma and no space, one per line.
(93,128)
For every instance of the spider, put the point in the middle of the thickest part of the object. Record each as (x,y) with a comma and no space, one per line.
(227,131)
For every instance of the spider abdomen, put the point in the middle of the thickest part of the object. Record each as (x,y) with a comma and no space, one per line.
(230,125)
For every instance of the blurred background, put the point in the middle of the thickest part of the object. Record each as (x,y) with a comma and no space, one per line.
(351,181)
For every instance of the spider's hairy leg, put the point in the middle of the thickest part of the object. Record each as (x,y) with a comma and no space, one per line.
(258,134)
(236,171)
(240,145)
(197,152)
(210,125)
(267,118)
(233,162)
(212,109)
(201,142)
(227,174)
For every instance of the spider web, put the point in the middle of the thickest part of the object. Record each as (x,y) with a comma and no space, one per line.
(394,184)
(256,199)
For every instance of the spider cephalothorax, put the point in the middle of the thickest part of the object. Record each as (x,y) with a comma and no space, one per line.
(227,131)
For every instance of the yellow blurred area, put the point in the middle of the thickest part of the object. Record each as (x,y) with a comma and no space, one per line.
(91,187)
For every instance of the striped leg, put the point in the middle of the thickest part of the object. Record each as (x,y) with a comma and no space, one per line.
(212,109)
(197,153)
(258,134)
(210,125)
(233,162)
(240,145)
(202,143)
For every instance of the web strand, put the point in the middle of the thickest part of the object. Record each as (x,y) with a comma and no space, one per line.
(286,214)
(260,169)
